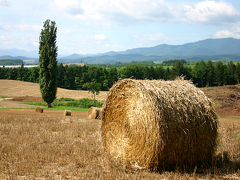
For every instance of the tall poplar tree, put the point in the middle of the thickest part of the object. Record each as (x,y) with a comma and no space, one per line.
(48,61)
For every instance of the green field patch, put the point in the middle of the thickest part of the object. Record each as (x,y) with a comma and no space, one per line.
(66,108)
(69,104)
(230,117)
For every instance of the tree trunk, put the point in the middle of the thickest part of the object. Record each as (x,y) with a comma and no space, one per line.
(49,105)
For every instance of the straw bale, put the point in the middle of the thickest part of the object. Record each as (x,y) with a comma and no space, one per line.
(67,113)
(39,110)
(156,124)
(94,113)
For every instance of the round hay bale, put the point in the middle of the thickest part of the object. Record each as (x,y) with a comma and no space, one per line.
(94,113)
(156,124)
(67,113)
(39,110)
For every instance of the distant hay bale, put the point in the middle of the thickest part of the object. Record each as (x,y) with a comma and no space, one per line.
(67,113)
(94,113)
(156,124)
(39,110)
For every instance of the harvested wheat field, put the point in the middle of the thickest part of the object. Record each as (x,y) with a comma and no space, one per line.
(13,88)
(50,145)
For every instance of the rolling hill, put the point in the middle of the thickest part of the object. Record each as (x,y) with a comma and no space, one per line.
(214,49)
(14,88)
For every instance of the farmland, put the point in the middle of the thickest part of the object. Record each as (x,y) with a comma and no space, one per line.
(11,88)
(52,146)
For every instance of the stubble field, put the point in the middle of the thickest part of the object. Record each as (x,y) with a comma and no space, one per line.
(52,146)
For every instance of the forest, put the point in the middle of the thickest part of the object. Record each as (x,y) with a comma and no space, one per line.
(202,74)
(11,61)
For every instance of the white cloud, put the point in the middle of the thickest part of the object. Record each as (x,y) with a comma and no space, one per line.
(20,36)
(135,11)
(100,37)
(3,38)
(35,43)
(212,12)
(27,27)
(65,4)
(117,10)
(154,37)
(224,34)
(150,39)
(113,47)
(4,3)
(72,7)
(21,27)
(233,32)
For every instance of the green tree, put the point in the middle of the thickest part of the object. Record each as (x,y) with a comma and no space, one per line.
(21,73)
(160,73)
(180,70)
(112,77)
(238,71)
(94,88)
(2,73)
(200,74)
(221,73)
(48,61)
(132,71)
(232,76)
(34,74)
(211,76)
(69,79)
(60,77)
(12,73)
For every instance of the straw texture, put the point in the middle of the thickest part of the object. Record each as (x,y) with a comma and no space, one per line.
(39,110)
(67,113)
(94,113)
(155,124)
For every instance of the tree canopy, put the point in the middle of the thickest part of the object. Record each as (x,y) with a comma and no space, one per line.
(48,61)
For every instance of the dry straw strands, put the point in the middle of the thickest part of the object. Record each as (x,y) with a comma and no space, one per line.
(39,110)
(154,124)
(94,113)
(67,113)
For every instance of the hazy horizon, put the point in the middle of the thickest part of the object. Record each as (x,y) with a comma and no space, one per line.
(93,26)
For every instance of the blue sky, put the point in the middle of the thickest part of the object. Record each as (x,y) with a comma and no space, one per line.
(96,26)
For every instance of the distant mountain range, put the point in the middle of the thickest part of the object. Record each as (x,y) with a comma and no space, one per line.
(18,52)
(17,57)
(214,49)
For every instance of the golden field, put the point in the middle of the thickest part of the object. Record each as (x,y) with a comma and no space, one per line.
(12,88)
(50,145)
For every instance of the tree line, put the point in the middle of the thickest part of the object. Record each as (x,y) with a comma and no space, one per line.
(11,62)
(76,77)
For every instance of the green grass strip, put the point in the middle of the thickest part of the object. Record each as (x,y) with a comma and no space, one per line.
(230,117)
(68,102)
(66,108)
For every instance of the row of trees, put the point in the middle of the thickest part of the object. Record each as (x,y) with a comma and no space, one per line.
(74,77)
